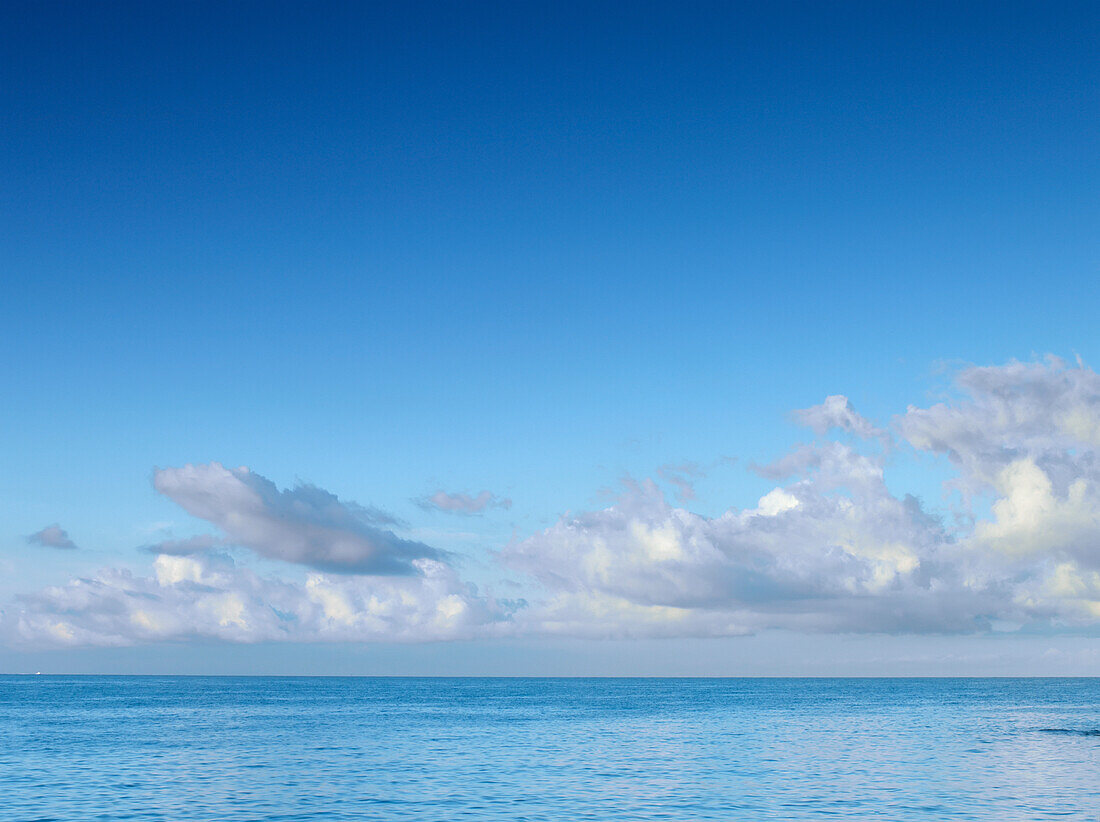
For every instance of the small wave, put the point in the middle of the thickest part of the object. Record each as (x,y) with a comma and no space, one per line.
(1071,731)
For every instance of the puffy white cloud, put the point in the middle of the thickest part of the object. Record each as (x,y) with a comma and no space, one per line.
(1025,434)
(833,549)
(209,597)
(1030,519)
(306,525)
(808,556)
(1065,594)
(829,548)
(460,503)
(52,536)
(775,502)
(1045,411)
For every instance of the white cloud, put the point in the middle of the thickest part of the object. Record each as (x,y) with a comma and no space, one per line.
(460,503)
(1029,518)
(806,557)
(1025,435)
(52,536)
(209,597)
(833,549)
(829,548)
(306,525)
(1045,411)
(775,502)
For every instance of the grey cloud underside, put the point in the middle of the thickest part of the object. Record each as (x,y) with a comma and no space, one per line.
(462,503)
(189,547)
(52,536)
(681,477)
(829,549)
(305,525)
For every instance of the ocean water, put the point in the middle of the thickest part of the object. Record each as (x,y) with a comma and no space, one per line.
(222,748)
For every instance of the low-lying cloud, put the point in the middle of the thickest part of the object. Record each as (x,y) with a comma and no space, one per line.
(210,597)
(830,548)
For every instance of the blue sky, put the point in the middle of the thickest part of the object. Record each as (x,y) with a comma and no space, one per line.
(531,250)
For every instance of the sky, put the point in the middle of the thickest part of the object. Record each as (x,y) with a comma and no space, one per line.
(555,339)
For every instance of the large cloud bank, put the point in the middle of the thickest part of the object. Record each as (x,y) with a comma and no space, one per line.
(209,596)
(832,549)
(829,549)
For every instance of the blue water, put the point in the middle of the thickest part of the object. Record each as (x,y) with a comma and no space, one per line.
(181,749)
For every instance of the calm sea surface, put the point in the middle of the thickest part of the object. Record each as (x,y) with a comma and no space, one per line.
(143,748)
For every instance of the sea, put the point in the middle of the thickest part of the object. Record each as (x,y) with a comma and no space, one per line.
(568,750)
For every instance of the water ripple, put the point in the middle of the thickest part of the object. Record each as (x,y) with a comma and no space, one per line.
(296,749)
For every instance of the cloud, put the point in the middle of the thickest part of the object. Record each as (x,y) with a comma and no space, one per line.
(209,597)
(183,547)
(837,413)
(830,547)
(1044,411)
(682,477)
(52,536)
(460,503)
(1026,435)
(306,525)
(807,557)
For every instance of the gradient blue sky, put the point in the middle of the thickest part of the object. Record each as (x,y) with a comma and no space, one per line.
(523,248)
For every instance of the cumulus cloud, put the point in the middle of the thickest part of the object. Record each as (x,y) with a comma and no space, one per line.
(1026,436)
(305,525)
(209,596)
(808,556)
(460,503)
(830,547)
(1044,411)
(52,536)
